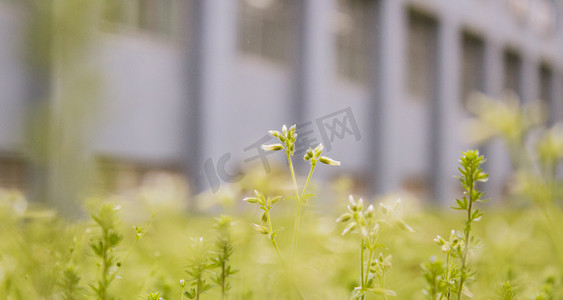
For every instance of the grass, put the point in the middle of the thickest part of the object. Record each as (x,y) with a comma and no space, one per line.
(515,243)
(153,250)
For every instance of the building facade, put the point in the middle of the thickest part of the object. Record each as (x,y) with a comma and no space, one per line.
(192,86)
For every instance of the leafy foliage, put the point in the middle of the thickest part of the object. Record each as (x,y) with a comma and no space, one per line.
(43,256)
(507,291)
(104,246)
(370,224)
(197,268)
(447,279)
(221,256)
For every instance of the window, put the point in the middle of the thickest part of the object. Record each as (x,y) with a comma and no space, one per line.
(159,17)
(13,173)
(512,72)
(354,26)
(422,48)
(265,28)
(546,87)
(472,66)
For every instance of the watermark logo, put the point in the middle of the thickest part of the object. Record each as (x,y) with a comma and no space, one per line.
(337,125)
(326,129)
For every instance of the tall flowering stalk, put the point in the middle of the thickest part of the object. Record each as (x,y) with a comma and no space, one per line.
(450,278)
(287,138)
(370,224)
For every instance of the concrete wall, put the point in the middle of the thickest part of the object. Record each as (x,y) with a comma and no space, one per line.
(140,114)
(143,113)
(13,77)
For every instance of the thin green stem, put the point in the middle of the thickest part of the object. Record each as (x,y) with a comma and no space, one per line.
(297,224)
(273,239)
(466,240)
(223,276)
(277,248)
(298,212)
(382,283)
(362,267)
(448,272)
(368,266)
(198,288)
(313,165)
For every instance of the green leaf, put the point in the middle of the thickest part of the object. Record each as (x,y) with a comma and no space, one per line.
(382,291)
(306,197)
(344,218)
(349,228)
(190,294)
(275,199)
(403,225)
(250,199)
(260,228)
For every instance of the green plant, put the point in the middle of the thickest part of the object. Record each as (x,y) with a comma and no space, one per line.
(456,272)
(70,283)
(221,258)
(287,139)
(507,291)
(548,290)
(104,246)
(70,279)
(471,174)
(370,225)
(154,296)
(535,151)
(198,268)
(266,226)
(433,271)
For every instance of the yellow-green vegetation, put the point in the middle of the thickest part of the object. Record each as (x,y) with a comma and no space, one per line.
(44,257)
(448,279)
(137,246)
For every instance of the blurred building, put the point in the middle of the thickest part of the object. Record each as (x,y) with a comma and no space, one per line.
(190,87)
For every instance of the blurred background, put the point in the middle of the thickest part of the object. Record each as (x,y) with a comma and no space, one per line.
(105,96)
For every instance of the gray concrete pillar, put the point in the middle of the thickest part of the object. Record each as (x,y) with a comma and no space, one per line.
(444,154)
(557,104)
(303,71)
(498,163)
(195,68)
(385,90)
(530,78)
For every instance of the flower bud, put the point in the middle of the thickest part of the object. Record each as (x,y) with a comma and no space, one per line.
(349,228)
(260,228)
(370,212)
(272,147)
(360,204)
(384,208)
(439,240)
(329,161)
(309,154)
(351,200)
(250,199)
(274,133)
(364,232)
(446,248)
(343,218)
(318,150)
(404,226)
